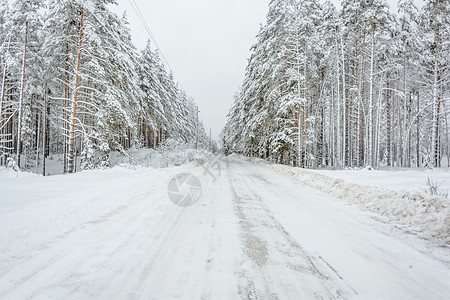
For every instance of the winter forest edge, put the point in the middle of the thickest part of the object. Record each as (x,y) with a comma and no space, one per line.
(72,84)
(356,87)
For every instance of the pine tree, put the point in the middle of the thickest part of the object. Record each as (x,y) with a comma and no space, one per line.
(81,89)
(338,89)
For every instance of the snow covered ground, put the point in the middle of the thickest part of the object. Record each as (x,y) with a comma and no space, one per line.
(410,180)
(256,233)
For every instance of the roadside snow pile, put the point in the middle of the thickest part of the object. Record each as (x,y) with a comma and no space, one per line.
(9,171)
(428,216)
(170,154)
(396,179)
(150,158)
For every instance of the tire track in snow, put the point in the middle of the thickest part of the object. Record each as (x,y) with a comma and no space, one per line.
(271,251)
(317,261)
(47,258)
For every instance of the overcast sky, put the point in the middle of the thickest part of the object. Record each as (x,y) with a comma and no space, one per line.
(206,43)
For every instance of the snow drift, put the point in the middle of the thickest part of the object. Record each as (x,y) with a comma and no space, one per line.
(427,216)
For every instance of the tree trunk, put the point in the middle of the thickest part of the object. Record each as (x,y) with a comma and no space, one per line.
(437,147)
(388,123)
(358,113)
(66,106)
(3,121)
(361,115)
(435,133)
(22,85)
(44,133)
(338,154)
(70,158)
(38,132)
(410,132)
(370,125)
(344,102)
(418,131)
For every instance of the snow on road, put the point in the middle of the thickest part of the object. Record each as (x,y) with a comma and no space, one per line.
(254,234)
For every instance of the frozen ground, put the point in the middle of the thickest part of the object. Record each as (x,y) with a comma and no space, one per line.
(256,233)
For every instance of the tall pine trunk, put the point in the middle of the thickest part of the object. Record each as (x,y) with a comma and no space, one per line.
(344,102)
(388,123)
(3,121)
(70,154)
(66,105)
(371,83)
(436,102)
(418,163)
(338,153)
(22,85)
(44,131)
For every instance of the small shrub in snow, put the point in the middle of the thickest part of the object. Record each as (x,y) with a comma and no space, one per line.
(11,164)
(433,188)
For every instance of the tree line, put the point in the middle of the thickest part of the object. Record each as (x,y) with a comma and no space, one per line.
(359,86)
(72,83)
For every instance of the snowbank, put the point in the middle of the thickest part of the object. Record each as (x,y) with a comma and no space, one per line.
(161,158)
(427,216)
(397,179)
(10,173)
(133,158)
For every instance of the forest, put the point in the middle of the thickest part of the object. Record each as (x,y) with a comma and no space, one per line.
(73,84)
(361,86)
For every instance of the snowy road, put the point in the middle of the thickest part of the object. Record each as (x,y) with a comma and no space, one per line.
(253,235)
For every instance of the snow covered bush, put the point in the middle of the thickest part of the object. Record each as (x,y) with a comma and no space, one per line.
(95,155)
(172,153)
(11,165)
(433,188)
